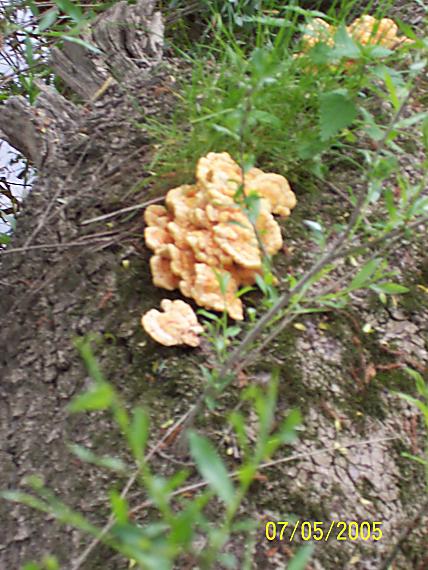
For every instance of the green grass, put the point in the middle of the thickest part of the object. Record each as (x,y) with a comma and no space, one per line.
(265,105)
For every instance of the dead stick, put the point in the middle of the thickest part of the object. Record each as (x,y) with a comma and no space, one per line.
(122,211)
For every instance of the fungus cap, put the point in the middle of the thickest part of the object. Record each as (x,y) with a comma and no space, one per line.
(181,202)
(219,175)
(156,215)
(318,30)
(207,292)
(162,274)
(370,30)
(367,30)
(156,237)
(276,190)
(178,324)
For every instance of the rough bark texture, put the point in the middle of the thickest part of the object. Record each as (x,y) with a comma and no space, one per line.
(88,157)
(92,158)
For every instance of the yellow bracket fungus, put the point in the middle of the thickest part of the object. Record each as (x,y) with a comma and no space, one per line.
(366,30)
(201,231)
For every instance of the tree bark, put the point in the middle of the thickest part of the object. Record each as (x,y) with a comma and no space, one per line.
(88,156)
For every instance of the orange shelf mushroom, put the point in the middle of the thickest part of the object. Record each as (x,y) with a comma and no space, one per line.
(178,324)
(201,232)
(367,30)
(318,30)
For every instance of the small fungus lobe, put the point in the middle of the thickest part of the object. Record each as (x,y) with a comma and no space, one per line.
(178,324)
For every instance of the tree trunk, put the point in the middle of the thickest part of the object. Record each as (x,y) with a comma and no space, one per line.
(89,157)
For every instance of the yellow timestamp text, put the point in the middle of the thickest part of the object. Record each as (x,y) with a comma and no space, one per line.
(318,530)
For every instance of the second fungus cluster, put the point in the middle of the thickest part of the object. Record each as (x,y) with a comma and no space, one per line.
(367,30)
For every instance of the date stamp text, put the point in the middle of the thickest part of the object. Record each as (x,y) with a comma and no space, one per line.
(318,530)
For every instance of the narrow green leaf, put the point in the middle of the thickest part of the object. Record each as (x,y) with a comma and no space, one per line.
(121,417)
(211,467)
(390,204)
(226,131)
(119,507)
(301,558)
(33,7)
(287,432)
(138,433)
(82,43)
(412,120)
(233,331)
(207,315)
(4,239)
(415,402)
(25,499)
(307,13)
(244,290)
(48,19)
(392,91)
(223,279)
(86,455)
(425,134)
(315,226)
(364,274)
(336,112)
(72,10)
(414,458)
(50,562)
(405,28)
(29,55)
(237,421)
(267,21)
(98,398)
(390,288)
(421,385)
(83,345)
(378,51)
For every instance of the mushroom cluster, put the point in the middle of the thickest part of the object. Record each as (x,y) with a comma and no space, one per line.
(202,233)
(367,30)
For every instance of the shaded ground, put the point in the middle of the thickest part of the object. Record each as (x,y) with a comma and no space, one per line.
(341,378)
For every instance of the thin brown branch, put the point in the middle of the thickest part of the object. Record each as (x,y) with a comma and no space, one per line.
(88,240)
(393,235)
(390,240)
(273,463)
(122,211)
